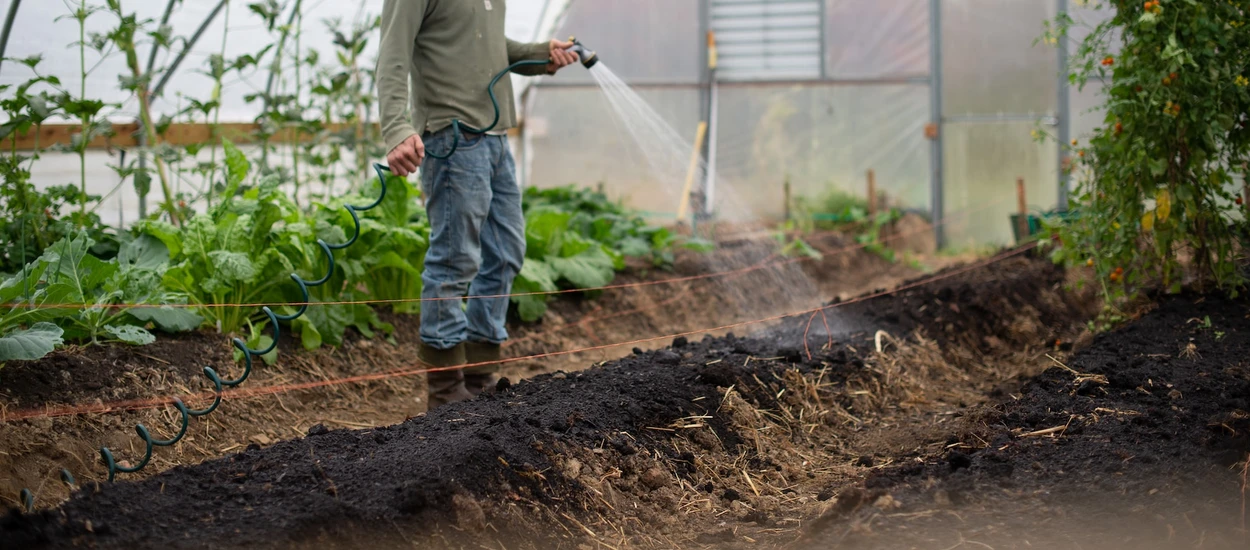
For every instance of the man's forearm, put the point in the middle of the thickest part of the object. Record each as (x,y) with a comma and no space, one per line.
(401,20)
(538,51)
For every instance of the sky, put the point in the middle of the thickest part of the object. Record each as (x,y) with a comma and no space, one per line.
(43,27)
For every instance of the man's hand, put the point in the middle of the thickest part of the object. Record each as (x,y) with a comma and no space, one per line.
(406,157)
(560,57)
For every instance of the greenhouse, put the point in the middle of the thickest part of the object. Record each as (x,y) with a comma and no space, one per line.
(624,273)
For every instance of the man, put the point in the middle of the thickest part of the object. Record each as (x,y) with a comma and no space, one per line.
(450,50)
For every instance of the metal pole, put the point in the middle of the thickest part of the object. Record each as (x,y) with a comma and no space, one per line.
(143,135)
(8,27)
(935,116)
(169,73)
(1065,113)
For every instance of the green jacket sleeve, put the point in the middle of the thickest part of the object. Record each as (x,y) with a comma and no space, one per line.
(401,19)
(538,51)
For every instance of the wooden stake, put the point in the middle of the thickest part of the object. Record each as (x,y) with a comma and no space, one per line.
(1022,208)
(690,174)
(786,207)
(872,193)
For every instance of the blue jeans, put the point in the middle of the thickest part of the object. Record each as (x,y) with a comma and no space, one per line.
(477,239)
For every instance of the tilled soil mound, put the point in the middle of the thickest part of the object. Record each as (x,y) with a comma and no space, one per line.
(1139,441)
(737,436)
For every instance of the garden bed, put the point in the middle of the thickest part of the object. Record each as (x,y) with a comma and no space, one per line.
(33,451)
(723,441)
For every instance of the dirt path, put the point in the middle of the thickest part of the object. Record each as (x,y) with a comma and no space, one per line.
(32,452)
(727,441)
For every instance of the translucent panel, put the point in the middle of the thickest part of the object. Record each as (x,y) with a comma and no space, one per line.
(647,40)
(876,38)
(1087,109)
(820,138)
(577,139)
(989,62)
(982,164)
(1085,17)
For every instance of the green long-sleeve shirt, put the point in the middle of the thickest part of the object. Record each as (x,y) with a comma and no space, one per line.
(450,49)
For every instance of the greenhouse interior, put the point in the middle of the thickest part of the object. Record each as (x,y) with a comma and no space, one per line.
(618,274)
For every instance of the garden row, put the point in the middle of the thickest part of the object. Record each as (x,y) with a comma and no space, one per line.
(211,270)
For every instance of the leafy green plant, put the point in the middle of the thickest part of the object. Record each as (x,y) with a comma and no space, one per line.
(100,300)
(841,211)
(1156,181)
(228,255)
(30,219)
(388,258)
(577,238)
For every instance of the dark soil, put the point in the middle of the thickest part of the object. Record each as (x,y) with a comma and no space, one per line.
(335,483)
(80,374)
(1143,446)
(498,468)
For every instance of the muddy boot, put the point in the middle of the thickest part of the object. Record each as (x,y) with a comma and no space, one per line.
(482,378)
(445,386)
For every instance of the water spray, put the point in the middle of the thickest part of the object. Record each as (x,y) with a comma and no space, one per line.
(587,57)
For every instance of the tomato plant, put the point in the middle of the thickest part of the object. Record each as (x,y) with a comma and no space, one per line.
(1157,183)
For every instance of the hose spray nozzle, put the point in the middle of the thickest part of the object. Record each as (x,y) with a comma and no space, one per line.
(588,57)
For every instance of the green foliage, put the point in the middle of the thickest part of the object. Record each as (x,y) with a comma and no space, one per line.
(1157,178)
(577,238)
(840,211)
(389,256)
(229,255)
(30,219)
(30,344)
(104,300)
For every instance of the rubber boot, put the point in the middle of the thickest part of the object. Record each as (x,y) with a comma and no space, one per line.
(482,378)
(444,386)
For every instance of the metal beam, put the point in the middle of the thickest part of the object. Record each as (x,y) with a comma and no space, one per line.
(937,210)
(1065,114)
(169,73)
(8,27)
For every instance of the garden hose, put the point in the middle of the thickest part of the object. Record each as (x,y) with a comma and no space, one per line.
(588,59)
(28,498)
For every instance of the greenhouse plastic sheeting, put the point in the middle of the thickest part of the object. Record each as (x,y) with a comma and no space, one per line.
(576,139)
(647,40)
(990,63)
(983,162)
(820,138)
(876,38)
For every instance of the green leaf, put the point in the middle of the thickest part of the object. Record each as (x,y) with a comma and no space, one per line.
(699,245)
(308,334)
(590,269)
(30,344)
(168,319)
(237,167)
(233,267)
(531,308)
(634,247)
(144,252)
(544,231)
(166,233)
(130,334)
(539,275)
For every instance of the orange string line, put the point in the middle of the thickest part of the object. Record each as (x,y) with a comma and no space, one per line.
(152,403)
